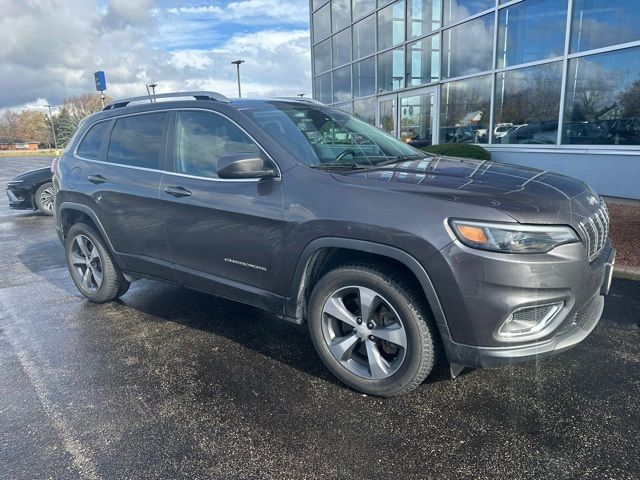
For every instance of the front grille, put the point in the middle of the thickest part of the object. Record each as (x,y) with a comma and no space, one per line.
(595,231)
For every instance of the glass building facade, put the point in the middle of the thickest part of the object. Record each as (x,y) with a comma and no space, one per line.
(540,77)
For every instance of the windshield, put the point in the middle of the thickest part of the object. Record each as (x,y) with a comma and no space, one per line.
(319,136)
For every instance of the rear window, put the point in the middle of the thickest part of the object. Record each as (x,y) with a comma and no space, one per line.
(136,140)
(92,142)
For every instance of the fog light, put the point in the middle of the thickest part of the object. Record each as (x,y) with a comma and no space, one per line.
(527,321)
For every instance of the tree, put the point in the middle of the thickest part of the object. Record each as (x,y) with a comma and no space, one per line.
(80,106)
(9,126)
(32,126)
(64,125)
(630,100)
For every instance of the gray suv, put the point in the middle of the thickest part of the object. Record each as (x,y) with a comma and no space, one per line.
(395,258)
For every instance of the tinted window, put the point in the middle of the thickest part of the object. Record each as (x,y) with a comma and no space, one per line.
(321,24)
(362,7)
(531,31)
(455,10)
(342,48)
(598,23)
(92,141)
(202,138)
(468,48)
(364,37)
(340,14)
(342,84)
(136,140)
(323,88)
(322,56)
(391,25)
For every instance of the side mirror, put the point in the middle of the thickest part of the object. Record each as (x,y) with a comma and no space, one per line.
(244,165)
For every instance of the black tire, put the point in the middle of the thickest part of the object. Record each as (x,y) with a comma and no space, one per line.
(421,337)
(41,197)
(112,284)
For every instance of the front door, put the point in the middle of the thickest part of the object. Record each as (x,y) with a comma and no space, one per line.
(417,112)
(225,236)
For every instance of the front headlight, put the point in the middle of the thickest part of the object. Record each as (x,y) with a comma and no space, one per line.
(513,238)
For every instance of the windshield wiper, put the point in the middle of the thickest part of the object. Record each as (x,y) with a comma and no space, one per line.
(343,165)
(398,159)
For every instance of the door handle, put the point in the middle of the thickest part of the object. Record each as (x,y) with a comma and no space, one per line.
(96,179)
(177,191)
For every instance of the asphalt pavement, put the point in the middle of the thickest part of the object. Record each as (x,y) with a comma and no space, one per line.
(171,383)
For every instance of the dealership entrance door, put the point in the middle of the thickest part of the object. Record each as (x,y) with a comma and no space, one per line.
(410,116)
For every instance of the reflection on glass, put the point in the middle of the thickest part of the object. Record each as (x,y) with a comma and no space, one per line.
(602,103)
(318,3)
(468,48)
(423,16)
(362,7)
(323,88)
(464,110)
(365,110)
(391,25)
(321,24)
(416,119)
(423,61)
(455,10)
(342,47)
(322,56)
(364,37)
(531,31)
(391,70)
(598,23)
(364,81)
(345,107)
(340,14)
(342,84)
(527,105)
(387,115)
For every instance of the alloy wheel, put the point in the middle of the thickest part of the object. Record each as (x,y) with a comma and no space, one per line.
(363,332)
(87,263)
(47,198)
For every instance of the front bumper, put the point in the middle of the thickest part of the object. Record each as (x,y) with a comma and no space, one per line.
(482,289)
(19,198)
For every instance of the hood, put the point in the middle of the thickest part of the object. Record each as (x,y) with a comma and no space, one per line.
(527,194)
(34,175)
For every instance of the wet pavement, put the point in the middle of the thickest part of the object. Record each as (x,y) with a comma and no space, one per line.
(170,383)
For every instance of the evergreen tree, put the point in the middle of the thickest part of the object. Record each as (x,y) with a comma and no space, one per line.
(65,126)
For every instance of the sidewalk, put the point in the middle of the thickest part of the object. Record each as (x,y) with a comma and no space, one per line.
(624,230)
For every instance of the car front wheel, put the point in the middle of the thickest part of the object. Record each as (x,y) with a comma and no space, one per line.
(45,198)
(372,329)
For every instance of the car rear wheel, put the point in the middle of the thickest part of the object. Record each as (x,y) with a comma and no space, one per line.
(372,330)
(45,198)
(92,269)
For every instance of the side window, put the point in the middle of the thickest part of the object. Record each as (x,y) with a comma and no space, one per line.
(202,138)
(136,140)
(92,141)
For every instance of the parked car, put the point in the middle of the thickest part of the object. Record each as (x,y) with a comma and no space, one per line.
(395,258)
(547,133)
(32,191)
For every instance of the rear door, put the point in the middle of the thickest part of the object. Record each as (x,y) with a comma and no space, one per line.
(225,236)
(125,184)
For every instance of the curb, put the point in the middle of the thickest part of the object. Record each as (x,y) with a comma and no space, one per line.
(624,271)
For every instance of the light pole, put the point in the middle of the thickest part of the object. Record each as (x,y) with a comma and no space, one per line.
(53,130)
(237,64)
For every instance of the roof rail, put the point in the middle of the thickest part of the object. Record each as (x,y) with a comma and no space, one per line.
(301,99)
(200,95)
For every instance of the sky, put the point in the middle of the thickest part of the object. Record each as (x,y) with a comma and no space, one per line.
(49,49)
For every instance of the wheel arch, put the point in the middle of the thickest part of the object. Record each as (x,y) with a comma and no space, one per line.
(317,255)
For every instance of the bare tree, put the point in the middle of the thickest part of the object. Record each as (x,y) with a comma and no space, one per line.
(80,106)
(8,125)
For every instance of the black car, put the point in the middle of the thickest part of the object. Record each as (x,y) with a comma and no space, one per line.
(391,255)
(32,191)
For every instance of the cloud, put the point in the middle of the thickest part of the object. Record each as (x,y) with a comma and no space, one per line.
(251,11)
(51,49)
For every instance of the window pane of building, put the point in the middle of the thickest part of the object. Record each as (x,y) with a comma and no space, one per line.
(391,70)
(391,25)
(527,105)
(345,107)
(416,119)
(531,31)
(365,110)
(468,48)
(364,81)
(464,110)
(322,56)
(321,24)
(423,61)
(342,47)
(423,17)
(323,88)
(318,3)
(455,10)
(342,84)
(364,37)
(362,7)
(340,14)
(602,103)
(600,23)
